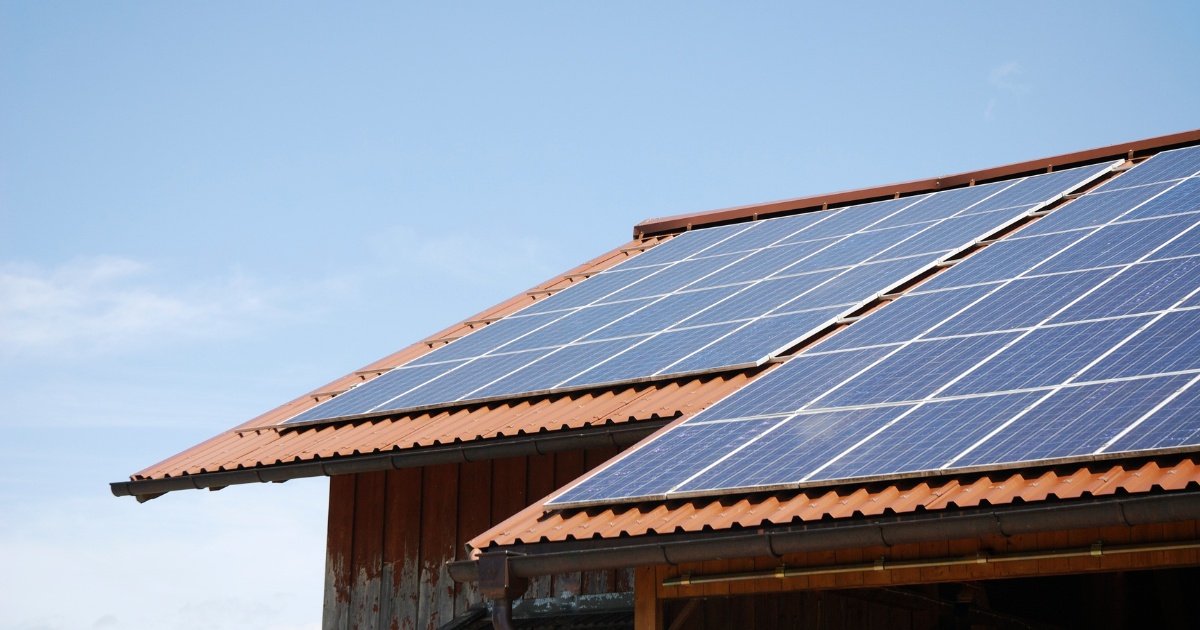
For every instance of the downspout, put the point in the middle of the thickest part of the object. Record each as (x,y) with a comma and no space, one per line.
(498,583)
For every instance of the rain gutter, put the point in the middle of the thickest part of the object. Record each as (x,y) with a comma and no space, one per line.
(619,435)
(532,560)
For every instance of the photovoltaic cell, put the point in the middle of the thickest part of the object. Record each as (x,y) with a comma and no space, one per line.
(1169,344)
(944,205)
(387,386)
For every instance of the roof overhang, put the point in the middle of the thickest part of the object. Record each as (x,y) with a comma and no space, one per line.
(538,559)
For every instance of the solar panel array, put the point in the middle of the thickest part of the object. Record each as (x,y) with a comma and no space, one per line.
(709,299)
(1076,337)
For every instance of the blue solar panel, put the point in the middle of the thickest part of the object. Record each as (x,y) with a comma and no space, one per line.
(662,464)
(897,379)
(1004,260)
(361,400)
(1073,339)
(762,298)
(1046,356)
(894,324)
(1024,302)
(766,263)
(655,354)
(1176,424)
(1169,344)
(1142,288)
(708,299)
(920,440)
(1121,243)
(1165,166)
(1096,209)
(757,339)
(1183,197)
(795,449)
(944,205)
(1073,421)
(661,314)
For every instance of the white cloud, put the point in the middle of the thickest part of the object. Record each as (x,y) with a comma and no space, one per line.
(1005,77)
(106,303)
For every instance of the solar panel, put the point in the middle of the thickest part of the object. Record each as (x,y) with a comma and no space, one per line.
(1074,338)
(709,299)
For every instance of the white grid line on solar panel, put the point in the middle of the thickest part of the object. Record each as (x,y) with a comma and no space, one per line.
(947,398)
(946,385)
(1175,161)
(1035,209)
(913,201)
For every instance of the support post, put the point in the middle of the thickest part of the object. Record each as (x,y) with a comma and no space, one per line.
(647,607)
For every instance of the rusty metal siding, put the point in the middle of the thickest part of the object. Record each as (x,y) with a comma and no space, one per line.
(392,532)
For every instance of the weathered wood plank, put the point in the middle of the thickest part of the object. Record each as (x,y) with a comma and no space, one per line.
(474,518)
(539,483)
(401,550)
(367,550)
(439,529)
(338,554)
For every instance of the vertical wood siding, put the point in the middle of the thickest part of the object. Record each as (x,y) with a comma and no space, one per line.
(391,534)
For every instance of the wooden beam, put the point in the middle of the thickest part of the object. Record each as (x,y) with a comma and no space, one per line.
(647,607)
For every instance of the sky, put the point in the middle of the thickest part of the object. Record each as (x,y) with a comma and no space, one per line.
(208,209)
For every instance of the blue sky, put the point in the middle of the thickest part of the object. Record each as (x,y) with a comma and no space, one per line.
(208,209)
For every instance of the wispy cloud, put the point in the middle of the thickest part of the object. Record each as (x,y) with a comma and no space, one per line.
(1004,79)
(105,303)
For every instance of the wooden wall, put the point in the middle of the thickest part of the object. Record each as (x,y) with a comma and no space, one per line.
(392,532)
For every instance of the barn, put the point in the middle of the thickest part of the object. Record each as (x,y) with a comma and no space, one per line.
(967,401)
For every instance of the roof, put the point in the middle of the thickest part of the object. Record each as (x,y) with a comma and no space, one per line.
(535,525)
(261,444)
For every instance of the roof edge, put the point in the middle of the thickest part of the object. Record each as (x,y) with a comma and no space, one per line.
(532,560)
(677,222)
(619,435)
